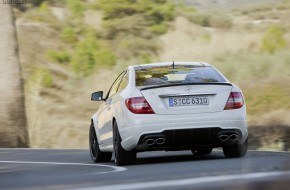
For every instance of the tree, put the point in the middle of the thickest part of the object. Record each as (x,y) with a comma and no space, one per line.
(13,128)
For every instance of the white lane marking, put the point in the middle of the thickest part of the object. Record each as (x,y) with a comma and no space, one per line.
(115,168)
(189,181)
(269,151)
(43,149)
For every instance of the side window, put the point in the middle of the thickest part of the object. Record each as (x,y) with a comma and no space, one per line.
(124,82)
(115,86)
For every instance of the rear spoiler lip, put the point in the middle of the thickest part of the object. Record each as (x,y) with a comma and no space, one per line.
(185,84)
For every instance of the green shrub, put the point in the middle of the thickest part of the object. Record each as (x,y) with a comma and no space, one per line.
(41,14)
(59,56)
(133,25)
(146,58)
(217,20)
(158,12)
(158,28)
(105,57)
(90,53)
(44,7)
(117,8)
(42,77)
(220,21)
(155,10)
(132,47)
(83,59)
(128,15)
(68,35)
(202,19)
(184,10)
(76,7)
(207,37)
(46,79)
(273,40)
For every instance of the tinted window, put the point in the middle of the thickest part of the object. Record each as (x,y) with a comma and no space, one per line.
(124,82)
(146,76)
(115,85)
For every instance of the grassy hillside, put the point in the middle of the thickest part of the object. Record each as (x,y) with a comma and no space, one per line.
(72,48)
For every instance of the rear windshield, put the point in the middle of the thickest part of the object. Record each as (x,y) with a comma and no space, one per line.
(164,75)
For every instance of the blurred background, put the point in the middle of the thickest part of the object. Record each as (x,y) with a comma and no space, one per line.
(71,48)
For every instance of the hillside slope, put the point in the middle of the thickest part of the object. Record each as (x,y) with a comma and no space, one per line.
(62,43)
(225,4)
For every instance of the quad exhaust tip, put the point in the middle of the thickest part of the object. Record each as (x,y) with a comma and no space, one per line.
(225,137)
(158,141)
(150,142)
(233,137)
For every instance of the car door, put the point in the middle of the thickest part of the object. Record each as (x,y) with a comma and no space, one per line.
(106,114)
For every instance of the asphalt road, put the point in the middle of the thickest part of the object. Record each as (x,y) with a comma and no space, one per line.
(73,169)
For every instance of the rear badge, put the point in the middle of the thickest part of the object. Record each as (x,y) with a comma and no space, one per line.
(188,89)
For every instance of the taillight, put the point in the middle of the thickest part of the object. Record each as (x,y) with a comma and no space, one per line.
(235,101)
(139,105)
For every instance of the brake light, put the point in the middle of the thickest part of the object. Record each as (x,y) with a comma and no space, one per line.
(139,105)
(235,101)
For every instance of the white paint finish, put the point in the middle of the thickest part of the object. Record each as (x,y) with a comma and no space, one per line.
(161,106)
(190,181)
(147,123)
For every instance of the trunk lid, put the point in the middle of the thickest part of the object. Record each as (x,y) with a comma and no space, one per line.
(187,98)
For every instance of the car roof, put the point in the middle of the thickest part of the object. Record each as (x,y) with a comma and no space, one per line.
(175,63)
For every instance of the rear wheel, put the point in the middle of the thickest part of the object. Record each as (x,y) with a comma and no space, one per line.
(201,151)
(122,157)
(236,151)
(96,154)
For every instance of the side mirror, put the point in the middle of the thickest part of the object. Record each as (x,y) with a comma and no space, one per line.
(97,96)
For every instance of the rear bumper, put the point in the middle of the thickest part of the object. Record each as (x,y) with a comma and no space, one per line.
(186,139)
(187,129)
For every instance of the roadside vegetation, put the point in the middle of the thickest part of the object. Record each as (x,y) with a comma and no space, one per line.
(71,48)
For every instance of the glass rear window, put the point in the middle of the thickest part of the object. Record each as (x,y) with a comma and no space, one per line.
(164,75)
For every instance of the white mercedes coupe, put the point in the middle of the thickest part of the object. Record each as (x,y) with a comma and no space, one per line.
(168,106)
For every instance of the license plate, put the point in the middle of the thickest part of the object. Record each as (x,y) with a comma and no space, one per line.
(188,101)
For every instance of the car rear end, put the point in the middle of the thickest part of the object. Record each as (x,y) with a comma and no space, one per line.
(181,106)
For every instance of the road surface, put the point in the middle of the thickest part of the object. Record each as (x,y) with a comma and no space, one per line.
(73,169)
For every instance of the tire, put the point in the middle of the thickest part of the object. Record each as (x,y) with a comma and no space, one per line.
(236,151)
(201,151)
(96,154)
(122,157)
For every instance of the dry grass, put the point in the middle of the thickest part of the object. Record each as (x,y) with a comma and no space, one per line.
(187,41)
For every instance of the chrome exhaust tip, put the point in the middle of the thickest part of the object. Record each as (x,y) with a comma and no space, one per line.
(150,142)
(223,138)
(160,141)
(233,137)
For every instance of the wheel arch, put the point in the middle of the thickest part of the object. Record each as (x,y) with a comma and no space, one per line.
(94,123)
(113,122)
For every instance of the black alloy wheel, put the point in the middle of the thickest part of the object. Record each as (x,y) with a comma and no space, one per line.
(236,151)
(96,154)
(122,156)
